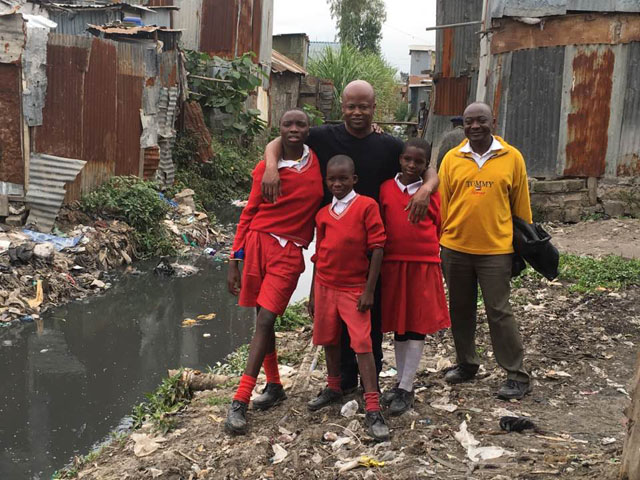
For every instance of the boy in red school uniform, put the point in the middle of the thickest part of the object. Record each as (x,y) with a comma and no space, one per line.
(413,299)
(269,238)
(343,286)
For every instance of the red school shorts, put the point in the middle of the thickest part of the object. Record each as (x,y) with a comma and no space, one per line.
(333,305)
(270,272)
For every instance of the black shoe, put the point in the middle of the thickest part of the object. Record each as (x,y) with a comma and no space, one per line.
(326,397)
(513,389)
(271,396)
(237,418)
(402,402)
(459,374)
(376,426)
(387,397)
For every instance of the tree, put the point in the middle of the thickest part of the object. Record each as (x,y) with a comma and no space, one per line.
(359,22)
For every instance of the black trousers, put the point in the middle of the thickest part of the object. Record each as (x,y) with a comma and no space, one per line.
(348,362)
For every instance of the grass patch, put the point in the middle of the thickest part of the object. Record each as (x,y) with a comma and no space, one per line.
(138,203)
(294,317)
(218,401)
(588,274)
(161,406)
(233,364)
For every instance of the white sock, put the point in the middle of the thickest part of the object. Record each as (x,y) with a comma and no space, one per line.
(401,352)
(412,356)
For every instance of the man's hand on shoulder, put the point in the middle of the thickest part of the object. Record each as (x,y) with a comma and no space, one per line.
(271,184)
(418,205)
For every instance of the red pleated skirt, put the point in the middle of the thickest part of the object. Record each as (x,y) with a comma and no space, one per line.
(413,298)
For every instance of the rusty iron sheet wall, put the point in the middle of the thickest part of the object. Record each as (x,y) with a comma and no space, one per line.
(219,27)
(151,161)
(628,164)
(588,122)
(533,117)
(11,162)
(580,29)
(451,95)
(457,49)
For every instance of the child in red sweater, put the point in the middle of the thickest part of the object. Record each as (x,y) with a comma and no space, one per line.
(269,238)
(344,283)
(413,299)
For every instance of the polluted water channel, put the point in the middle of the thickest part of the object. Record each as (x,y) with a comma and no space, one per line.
(73,377)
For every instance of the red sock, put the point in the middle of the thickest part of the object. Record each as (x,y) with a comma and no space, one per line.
(247,384)
(334,383)
(270,364)
(372,401)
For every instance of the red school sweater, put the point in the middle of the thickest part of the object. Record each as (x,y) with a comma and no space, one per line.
(406,241)
(343,241)
(291,217)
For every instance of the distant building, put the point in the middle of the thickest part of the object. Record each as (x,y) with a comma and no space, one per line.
(294,46)
(419,81)
(316,49)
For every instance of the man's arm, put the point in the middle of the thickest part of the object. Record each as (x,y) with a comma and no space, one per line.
(271,178)
(365,302)
(520,200)
(419,203)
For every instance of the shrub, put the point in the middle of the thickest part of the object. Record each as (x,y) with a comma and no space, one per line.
(138,203)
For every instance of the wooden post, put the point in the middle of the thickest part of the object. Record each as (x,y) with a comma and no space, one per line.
(630,469)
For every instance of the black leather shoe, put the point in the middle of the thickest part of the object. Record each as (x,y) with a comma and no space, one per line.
(271,396)
(402,402)
(237,418)
(376,426)
(459,374)
(326,397)
(513,389)
(387,397)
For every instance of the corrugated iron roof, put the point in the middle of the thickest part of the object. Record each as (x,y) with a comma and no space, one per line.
(124,30)
(546,8)
(281,63)
(48,175)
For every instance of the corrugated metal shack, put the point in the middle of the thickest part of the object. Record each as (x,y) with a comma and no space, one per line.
(456,71)
(284,89)
(109,103)
(563,77)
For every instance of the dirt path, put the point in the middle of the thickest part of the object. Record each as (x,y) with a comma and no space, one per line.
(580,350)
(597,238)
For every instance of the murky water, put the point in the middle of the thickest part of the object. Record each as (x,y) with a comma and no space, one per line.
(67,382)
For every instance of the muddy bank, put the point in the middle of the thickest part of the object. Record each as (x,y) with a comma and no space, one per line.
(580,350)
(38,272)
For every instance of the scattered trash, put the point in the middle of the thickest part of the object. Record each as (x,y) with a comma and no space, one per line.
(173,203)
(44,251)
(330,436)
(555,374)
(346,465)
(340,442)
(425,421)
(392,372)
(369,462)
(60,243)
(349,409)
(279,453)
(189,322)
(26,319)
(98,284)
(470,444)
(44,350)
(36,302)
(206,335)
(516,424)
(4,245)
(442,403)
(608,441)
(155,472)
(210,251)
(144,444)
(240,203)
(209,316)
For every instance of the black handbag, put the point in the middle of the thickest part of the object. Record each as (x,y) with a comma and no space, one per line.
(532,243)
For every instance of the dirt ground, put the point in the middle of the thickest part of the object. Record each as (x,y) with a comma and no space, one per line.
(580,349)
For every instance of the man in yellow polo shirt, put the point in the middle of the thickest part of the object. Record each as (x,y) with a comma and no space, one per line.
(483,183)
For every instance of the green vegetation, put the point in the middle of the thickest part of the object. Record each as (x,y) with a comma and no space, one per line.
(225,93)
(589,274)
(218,401)
(294,317)
(161,406)
(348,64)
(234,363)
(216,183)
(138,203)
(359,22)
(402,112)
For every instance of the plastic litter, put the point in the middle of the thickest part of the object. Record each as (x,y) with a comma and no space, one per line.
(516,424)
(279,453)
(470,444)
(349,409)
(59,243)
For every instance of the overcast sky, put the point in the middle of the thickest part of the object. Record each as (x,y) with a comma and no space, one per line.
(405,25)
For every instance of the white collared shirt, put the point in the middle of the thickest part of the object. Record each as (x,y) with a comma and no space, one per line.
(482,159)
(298,165)
(340,205)
(411,189)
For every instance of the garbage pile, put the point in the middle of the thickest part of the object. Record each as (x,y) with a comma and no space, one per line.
(39,270)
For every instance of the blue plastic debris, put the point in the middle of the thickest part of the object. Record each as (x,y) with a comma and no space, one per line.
(170,202)
(58,242)
(26,319)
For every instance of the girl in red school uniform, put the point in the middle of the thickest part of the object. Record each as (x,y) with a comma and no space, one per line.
(413,299)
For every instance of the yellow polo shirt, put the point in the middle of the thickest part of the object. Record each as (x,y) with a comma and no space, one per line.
(478,202)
